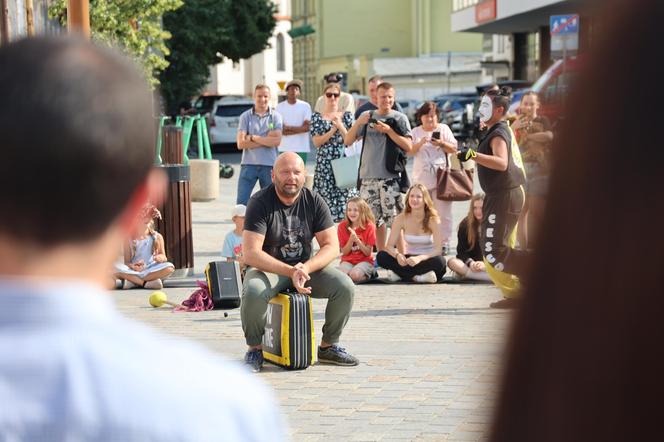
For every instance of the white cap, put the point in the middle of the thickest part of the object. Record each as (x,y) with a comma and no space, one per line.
(239,210)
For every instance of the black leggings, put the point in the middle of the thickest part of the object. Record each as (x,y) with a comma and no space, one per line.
(501,213)
(387,261)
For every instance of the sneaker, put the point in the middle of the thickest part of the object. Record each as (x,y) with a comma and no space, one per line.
(336,355)
(254,359)
(505,303)
(446,250)
(155,284)
(426,278)
(128,285)
(393,277)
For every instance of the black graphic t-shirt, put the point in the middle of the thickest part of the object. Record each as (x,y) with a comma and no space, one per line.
(288,230)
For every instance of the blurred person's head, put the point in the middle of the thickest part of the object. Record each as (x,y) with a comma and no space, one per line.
(373,85)
(293,89)
(78,146)
(237,216)
(332,92)
(262,95)
(583,359)
(419,200)
(529,104)
(494,105)
(385,94)
(428,115)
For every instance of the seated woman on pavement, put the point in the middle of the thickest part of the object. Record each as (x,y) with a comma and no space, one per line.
(419,222)
(469,263)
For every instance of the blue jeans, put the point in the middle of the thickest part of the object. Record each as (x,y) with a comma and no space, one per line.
(249,174)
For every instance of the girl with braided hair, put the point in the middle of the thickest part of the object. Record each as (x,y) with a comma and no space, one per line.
(145,262)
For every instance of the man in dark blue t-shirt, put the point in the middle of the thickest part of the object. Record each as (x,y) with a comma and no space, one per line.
(280,223)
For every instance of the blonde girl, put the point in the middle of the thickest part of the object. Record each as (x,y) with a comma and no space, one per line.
(357,237)
(419,223)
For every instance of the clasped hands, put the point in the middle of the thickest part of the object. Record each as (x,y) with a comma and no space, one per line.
(411,261)
(300,276)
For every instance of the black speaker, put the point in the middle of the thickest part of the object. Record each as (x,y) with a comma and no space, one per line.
(225,283)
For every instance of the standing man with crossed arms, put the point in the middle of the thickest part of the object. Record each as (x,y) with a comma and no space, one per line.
(258,135)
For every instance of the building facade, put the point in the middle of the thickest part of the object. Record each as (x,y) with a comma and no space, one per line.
(517,32)
(363,38)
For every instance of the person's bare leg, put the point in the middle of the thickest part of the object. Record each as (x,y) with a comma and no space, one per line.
(159,274)
(457,266)
(131,278)
(358,275)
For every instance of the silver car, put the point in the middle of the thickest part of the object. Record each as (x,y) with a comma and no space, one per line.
(225,120)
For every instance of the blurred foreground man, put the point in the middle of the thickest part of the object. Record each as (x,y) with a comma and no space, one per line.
(78,142)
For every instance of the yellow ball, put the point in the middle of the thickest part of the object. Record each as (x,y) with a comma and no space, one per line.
(157,298)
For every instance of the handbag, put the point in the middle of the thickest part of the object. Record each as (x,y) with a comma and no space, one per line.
(345,171)
(454,184)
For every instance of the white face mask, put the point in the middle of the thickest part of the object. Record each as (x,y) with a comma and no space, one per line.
(486,109)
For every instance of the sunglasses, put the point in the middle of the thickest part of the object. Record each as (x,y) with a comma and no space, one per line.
(331,94)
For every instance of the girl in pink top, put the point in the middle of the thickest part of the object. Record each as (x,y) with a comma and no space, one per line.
(432,143)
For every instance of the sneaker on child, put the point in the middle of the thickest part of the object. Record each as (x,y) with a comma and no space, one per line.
(155,284)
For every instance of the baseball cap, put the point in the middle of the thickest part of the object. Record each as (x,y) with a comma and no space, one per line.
(297,83)
(239,210)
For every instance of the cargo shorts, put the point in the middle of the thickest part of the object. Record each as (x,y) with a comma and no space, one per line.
(384,197)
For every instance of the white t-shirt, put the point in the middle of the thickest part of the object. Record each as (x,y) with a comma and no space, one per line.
(294,115)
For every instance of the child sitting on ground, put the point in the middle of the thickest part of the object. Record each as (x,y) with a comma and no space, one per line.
(232,248)
(357,236)
(145,262)
(469,263)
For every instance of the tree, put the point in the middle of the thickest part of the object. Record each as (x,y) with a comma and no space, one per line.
(133,25)
(203,28)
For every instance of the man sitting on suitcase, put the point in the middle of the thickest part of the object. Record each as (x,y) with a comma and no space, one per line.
(280,223)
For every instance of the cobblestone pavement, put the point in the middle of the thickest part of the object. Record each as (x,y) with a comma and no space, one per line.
(430,354)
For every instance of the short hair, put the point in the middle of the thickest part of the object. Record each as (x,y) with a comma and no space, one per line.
(501,98)
(262,86)
(385,85)
(425,108)
(93,146)
(375,79)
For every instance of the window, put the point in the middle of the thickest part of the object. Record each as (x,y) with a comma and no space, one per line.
(281,53)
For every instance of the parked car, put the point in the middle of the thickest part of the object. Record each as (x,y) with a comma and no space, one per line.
(409,108)
(225,120)
(554,85)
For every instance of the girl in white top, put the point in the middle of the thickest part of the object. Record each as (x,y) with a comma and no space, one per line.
(432,143)
(419,223)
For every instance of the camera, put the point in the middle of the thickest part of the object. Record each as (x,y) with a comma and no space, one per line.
(435,136)
(372,122)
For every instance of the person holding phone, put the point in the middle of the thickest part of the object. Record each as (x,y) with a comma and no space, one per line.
(433,142)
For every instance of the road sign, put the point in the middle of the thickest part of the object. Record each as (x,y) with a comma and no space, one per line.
(564,24)
(564,35)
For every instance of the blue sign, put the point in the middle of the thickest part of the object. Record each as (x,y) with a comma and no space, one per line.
(564,24)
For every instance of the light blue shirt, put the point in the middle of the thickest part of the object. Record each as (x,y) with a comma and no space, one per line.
(254,124)
(231,242)
(72,368)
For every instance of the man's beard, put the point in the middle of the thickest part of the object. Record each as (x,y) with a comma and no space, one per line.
(289,189)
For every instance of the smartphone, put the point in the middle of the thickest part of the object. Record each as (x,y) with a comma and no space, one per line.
(435,136)
(372,122)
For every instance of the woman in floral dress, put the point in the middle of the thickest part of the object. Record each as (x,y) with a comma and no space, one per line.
(328,130)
